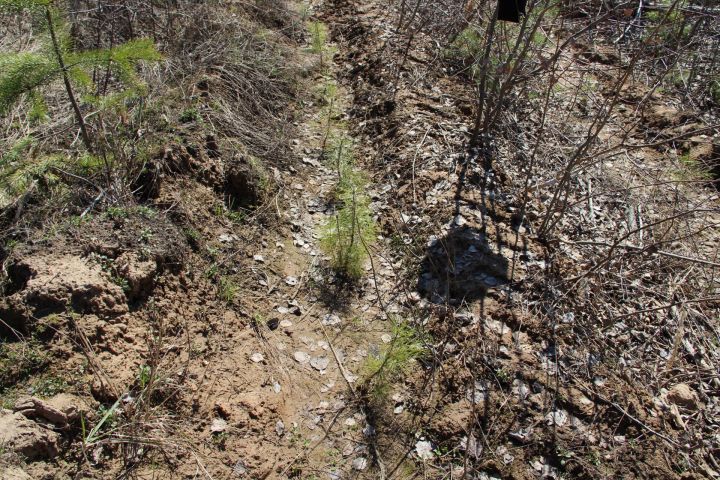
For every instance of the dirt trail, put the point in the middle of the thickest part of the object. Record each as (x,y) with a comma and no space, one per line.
(295,368)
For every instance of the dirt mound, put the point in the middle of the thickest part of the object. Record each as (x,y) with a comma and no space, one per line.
(706,156)
(138,273)
(243,183)
(52,283)
(25,437)
(11,472)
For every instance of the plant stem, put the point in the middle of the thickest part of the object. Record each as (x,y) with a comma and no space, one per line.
(66,80)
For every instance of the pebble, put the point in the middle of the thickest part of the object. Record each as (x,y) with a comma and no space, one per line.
(413,298)
(218,425)
(330,319)
(424,450)
(360,463)
(320,363)
(558,417)
(301,357)
(684,396)
(257,357)
(239,470)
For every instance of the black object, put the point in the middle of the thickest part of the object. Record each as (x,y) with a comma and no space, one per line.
(272,324)
(510,10)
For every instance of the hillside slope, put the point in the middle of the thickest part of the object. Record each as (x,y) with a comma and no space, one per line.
(353,239)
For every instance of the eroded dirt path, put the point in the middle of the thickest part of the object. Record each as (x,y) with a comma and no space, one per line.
(284,392)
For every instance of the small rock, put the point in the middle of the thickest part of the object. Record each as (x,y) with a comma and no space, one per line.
(311,161)
(280,428)
(413,298)
(273,323)
(386,338)
(301,357)
(218,425)
(61,410)
(523,435)
(292,281)
(259,258)
(472,446)
(477,395)
(558,417)
(320,363)
(285,323)
(257,357)
(330,319)
(360,463)
(239,470)
(683,395)
(424,450)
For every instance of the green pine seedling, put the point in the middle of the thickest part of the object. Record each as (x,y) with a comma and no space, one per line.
(395,359)
(26,72)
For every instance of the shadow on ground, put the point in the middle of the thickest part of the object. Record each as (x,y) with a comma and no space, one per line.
(460,266)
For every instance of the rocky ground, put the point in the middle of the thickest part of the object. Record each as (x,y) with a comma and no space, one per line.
(171,339)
